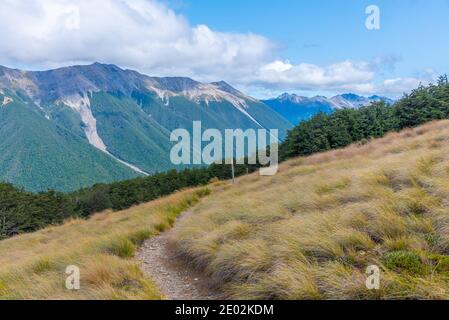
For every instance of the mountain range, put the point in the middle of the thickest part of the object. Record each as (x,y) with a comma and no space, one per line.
(73,127)
(297,108)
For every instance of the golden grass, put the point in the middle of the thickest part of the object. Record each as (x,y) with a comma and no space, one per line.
(310,231)
(32,266)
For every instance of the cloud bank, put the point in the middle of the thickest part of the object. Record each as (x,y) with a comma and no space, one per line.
(148,36)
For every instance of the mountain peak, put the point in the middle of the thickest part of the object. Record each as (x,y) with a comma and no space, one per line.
(226,87)
(53,85)
(177,84)
(291,97)
(351,96)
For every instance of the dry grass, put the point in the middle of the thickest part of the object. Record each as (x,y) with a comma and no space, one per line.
(310,231)
(33,266)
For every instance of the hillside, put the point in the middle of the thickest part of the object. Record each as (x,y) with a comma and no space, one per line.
(32,266)
(311,231)
(38,154)
(307,233)
(73,127)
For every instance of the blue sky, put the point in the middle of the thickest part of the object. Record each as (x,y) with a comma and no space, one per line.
(263,47)
(414,34)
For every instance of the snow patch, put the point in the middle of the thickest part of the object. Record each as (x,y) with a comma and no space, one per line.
(81,104)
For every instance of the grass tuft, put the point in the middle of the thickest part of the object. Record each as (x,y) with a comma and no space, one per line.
(139,237)
(42,265)
(122,248)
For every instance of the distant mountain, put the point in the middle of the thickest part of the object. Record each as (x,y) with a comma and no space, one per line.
(296,108)
(72,127)
(353,101)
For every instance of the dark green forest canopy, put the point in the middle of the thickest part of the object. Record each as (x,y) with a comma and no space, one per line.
(22,211)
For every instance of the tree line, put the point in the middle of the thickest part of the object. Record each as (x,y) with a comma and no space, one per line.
(22,211)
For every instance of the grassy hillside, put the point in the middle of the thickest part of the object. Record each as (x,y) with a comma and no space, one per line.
(33,266)
(311,231)
(307,233)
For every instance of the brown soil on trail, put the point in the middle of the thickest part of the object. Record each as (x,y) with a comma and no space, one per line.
(175,280)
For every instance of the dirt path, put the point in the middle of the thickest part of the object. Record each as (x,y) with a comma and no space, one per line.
(174,279)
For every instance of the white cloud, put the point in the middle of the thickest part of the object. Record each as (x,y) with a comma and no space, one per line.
(406,84)
(148,36)
(134,33)
(307,76)
(277,67)
(401,84)
(347,76)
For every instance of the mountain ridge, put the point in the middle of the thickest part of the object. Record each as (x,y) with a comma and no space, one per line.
(126,115)
(297,108)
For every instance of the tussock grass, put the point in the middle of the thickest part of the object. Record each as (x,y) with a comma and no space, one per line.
(311,231)
(32,266)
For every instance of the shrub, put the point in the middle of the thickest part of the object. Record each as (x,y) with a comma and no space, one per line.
(432,239)
(139,237)
(403,260)
(122,248)
(42,265)
(161,227)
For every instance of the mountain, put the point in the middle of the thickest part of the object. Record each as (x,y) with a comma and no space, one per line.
(72,127)
(296,108)
(353,101)
(39,154)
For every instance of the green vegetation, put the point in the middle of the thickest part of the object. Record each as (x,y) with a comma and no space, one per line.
(307,233)
(122,247)
(408,261)
(39,155)
(21,211)
(181,112)
(139,237)
(32,266)
(140,139)
(343,127)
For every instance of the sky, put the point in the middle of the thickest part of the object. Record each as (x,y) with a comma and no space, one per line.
(262,47)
